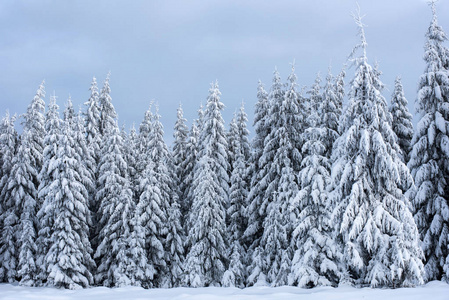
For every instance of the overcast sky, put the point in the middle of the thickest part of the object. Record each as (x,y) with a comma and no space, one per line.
(170,51)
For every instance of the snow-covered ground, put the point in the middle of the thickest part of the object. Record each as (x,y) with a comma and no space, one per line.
(432,291)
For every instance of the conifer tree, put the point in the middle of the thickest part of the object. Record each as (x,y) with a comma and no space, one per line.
(206,259)
(192,147)
(429,156)
(252,232)
(255,210)
(316,256)
(8,211)
(282,159)
(120,253)
(235,274)
(180,153)
(371,214)
(402,119)
(93,140)
(69,258)
(46,191)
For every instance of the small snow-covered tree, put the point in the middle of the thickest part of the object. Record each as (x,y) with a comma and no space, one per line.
(372,219)
(429,156)
(402,119)
(8,210)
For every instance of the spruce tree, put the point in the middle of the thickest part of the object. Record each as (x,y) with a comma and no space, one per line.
(192,148)
(256,210)
(206,259)
(316,258)
(93,140)
(238,193)
(253,230)
(69,258)
(372,219)
(402,120)
(8,211)
(180,154)
(120,253)
(429,156)
(46,192)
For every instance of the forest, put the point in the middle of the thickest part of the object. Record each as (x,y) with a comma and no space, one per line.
(336,187)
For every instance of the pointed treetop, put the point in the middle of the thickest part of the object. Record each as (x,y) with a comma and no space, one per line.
(363,44)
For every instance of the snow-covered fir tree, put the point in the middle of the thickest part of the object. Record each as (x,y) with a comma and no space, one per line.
(93,140)
(429,155)
(192,147)
(238,193)
(402,119)
(206,258)
(281,159)
(316,258)
(121,255)
(253,230)
(69,260)
(23,193)
(256,213)
(47,190)
(8,211)
(372,219)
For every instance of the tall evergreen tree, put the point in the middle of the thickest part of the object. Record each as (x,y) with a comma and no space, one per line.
(282,159)
(371,214)
(69,258)
(206,259)
(253,230)
(235,274)
(93,140)
(46,191)
(180,153)
(316,257)
(8,211)
(120,253)
(402,119)
(192,148)
(429,156)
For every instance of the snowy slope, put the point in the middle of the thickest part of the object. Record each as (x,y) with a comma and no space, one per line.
(434,290)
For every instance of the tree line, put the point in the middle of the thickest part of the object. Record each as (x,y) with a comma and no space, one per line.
(335,187)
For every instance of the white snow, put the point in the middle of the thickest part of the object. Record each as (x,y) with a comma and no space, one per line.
(434,290)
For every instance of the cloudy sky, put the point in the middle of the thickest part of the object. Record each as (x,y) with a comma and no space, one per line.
(170,51)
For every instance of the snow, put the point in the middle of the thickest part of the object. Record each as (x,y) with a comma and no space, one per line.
(434,290)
